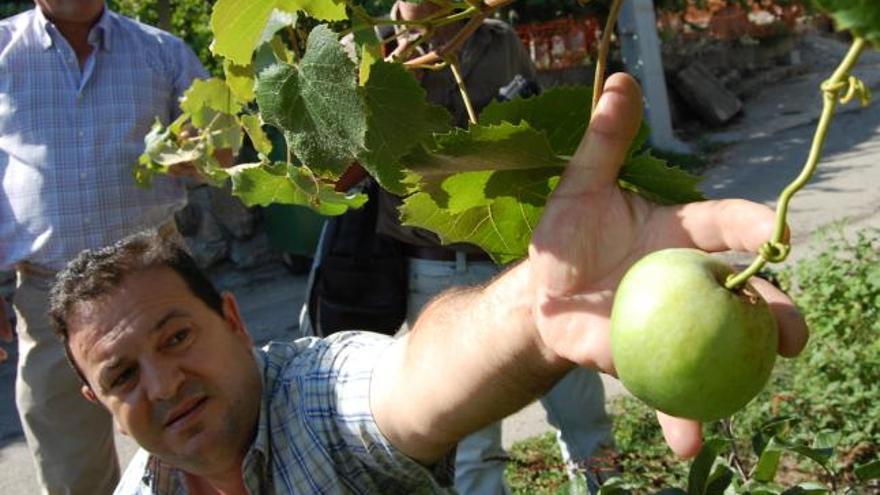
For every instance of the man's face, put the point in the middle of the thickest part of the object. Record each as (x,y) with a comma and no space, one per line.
(177,377)
(80,11)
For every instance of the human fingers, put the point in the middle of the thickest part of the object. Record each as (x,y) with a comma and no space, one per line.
(720,225)
(684,436)
(603,148)
(793,331)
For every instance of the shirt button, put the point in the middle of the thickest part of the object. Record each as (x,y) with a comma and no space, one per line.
(87,220)
(83,175)
(81,133)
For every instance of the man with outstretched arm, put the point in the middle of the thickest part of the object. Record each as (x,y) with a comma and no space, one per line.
(80,87)
(362,413)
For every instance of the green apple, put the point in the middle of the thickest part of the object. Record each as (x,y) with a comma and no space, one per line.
(685,344)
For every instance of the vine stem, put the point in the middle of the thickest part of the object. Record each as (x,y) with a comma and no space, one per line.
(602,59)
(459,80)
(477,16)
(776,249)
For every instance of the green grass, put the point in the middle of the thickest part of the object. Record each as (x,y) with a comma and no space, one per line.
(536,466)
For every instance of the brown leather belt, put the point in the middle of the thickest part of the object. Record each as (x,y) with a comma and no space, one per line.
(440,253)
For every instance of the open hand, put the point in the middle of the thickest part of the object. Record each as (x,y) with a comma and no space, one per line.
(592,231)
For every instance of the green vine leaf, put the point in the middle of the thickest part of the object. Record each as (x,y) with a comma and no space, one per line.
(868,472)
(700,473)
(317,105)
(258,185)
(239,25)
(503,228)
(469,168)
(322,10)
(160,150)
(807,488)
(260,140)
(206,98)
(861,17)
(721,478)
(486,185)
(614,486)
(562,113)
(654,179)
(768,462)
(399,118)
(240,79)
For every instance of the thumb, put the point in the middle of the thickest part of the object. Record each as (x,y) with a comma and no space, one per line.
(684,436)
(603,148)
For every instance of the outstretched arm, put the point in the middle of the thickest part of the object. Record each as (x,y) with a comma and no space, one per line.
(475,356)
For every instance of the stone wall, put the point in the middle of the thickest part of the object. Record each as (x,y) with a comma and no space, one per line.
(219,228)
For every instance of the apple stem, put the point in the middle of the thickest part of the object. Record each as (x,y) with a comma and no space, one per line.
(843,87)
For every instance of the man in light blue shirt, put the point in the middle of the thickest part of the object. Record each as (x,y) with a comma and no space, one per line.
(80,87)
(361,413)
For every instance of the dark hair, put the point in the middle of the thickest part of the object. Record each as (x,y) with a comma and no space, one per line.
(96,273)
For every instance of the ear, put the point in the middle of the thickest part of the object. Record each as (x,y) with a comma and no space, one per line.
(232,317)
(89,394)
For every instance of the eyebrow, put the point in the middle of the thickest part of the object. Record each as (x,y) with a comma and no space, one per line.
(174,313)
(115,362)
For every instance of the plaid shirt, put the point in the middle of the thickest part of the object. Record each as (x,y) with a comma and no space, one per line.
(316,433)
(69,136)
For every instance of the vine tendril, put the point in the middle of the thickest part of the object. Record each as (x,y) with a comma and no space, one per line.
(840,87)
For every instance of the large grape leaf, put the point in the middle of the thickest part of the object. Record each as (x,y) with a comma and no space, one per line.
(487,185)
(652,178)
(562,113)
(240,79)
(366,40)
(239,24)
(862,17)
(398,118)
(253,127)
(258,185)
(323,10)
(503,228)
(495,147)
(469,168)
(317,104)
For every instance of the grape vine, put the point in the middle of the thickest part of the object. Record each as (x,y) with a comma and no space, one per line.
(840,86)
(314,71)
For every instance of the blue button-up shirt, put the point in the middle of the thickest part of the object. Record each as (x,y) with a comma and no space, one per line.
(70,134)
(316,433)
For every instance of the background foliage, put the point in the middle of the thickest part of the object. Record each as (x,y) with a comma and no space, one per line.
(186,19)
